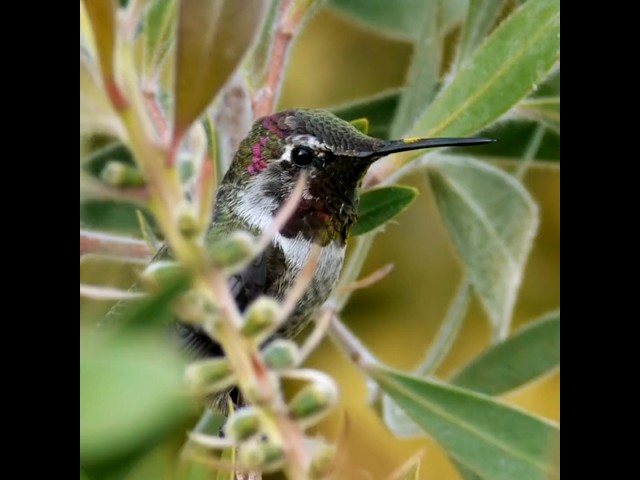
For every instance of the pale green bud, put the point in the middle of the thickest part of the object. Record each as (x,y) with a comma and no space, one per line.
(313,402)
(261,455)
(281,354)
(260,317)
(243,424)
(209,376)
(233,250)
(159,273)
(121,175)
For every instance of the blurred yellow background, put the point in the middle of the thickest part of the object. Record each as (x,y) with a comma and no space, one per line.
(333,62)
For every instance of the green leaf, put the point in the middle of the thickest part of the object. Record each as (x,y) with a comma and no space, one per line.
(492,221)
(110,216)
(130,397)
(116,151)
(212,39)
(424,72)
(151,311)
(102,15)
(400,19)
(361,124)
(514,137)
(380,205)
(379,110)
(159,30)
(503,70)
(492,439)
(531,352)
(481,16)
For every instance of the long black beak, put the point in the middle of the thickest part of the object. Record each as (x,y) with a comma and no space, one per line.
(395,146)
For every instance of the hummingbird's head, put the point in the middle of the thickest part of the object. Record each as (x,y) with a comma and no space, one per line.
(334,155)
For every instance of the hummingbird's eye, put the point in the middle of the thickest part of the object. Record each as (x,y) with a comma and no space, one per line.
(302,156)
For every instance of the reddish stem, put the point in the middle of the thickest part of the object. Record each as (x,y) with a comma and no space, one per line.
(280,47)
(100,243)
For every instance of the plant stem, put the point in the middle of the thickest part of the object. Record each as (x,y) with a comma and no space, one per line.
(530,152)
(102,243)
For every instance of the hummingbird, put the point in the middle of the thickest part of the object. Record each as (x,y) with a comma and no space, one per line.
(264,171)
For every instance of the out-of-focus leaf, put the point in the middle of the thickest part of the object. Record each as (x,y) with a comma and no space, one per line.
(424,72)
(102,15)
(380,205)
(401,19)
(492,221)
(540,109)
(481,16)
(130,396)
(493,440)
(228,456)
(361,124)
(212,39)
(502,71)
(110,216)
(150,311)
(116,151)
(513,138)
(159,33)
(531,352)
(379,110)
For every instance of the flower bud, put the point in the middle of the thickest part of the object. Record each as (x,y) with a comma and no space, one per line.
(120,174)
(159,273)
(281,354)
(194,308)
(322,460)
(243,424)
(233,250)
(313,402)
(188,222)
(261,455)
(261,315)
(209,376)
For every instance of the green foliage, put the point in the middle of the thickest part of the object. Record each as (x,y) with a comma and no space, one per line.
(492,220)
(494,440)
(479,67)
(380,205)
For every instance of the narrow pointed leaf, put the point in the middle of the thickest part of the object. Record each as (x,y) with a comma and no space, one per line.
(530,353)
(379,110)
(212,39)
(159,30)
(399,19)
(513,141)
(503,70)
(424,72)
(482,15)
(361,124)
(492,439)
(102,15)
(492,221)
(380,205)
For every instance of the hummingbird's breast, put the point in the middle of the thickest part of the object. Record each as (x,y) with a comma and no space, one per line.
(296,252)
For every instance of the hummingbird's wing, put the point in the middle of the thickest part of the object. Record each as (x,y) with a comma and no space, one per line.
(255,280)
